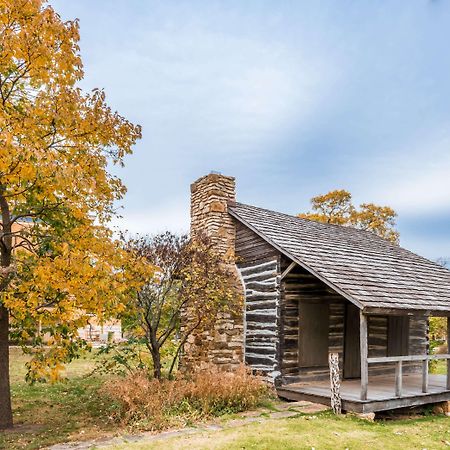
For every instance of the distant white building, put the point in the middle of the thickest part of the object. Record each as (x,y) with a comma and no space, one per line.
(109,331)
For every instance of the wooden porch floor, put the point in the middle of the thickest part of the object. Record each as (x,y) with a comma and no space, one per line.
(381,392)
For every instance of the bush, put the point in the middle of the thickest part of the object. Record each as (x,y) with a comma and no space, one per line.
(122,358)
(156,404)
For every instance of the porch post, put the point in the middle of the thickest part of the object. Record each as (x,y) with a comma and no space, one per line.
(448,351)
(364,353)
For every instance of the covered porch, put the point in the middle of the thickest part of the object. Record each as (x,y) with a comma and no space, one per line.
(381,395)
(390,388)
(383,353)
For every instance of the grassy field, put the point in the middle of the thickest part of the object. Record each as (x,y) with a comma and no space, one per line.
(50,413)
(45,414)
(439,367)
(323,431)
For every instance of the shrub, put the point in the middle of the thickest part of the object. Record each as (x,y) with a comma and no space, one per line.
(122,358)
(156,404)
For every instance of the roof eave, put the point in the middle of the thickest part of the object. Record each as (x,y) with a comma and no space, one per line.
(441,312)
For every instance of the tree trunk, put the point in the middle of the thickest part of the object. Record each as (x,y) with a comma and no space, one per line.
(6,245)
(154,349)
(156,357)
(6,420)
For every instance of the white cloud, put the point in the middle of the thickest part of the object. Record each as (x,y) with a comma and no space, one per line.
(423,192)
(167,217)
(416,180)
(212,91)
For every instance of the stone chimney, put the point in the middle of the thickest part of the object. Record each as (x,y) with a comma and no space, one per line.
(223,345)
(209,197)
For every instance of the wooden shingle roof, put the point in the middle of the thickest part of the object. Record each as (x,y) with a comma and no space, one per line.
(366,269)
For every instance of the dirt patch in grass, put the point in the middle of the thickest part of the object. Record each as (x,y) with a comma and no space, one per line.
(24,428)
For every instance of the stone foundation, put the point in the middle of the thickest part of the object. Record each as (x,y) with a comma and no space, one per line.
(442,408)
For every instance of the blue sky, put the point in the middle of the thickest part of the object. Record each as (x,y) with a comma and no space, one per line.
(292,98)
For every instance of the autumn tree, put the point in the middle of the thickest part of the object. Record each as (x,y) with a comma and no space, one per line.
(190,278)
(58,259)
(337,208)
(438,325)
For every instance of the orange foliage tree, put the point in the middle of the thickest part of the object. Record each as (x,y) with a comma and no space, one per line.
(56,144)
(337,208)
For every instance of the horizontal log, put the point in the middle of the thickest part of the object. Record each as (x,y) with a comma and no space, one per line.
(261,276)
(261,326)
(254,359)
(259,333)
(266,266)
(260,351)
(254,306)
(261,286)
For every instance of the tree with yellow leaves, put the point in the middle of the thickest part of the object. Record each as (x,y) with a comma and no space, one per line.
(337,208)
(58,260)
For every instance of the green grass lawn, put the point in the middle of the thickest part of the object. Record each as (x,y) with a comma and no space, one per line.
(72,410)
(50,413)
(439,367)
(323,431)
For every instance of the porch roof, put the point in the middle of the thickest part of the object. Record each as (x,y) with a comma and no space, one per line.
(369,271)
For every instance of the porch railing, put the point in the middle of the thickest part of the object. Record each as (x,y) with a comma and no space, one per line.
(399,360)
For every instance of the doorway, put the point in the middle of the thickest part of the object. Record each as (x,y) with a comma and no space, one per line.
(352,355)
(313,334)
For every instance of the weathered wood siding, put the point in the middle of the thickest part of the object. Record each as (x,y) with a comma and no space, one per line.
(299,285)
(250,248)
(378,342)
(259,266)
(336,331)
(272,323)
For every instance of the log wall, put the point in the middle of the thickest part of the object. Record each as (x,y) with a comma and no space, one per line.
(378,343)
(272,323)
(299,285)
(259,266)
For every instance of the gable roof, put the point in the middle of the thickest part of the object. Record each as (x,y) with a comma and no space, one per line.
(369,271)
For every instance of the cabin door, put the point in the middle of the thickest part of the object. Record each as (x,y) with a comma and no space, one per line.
(352,355)
(313,334)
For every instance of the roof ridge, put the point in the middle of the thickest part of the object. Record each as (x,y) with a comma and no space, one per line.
(324,224)
(365,268)
(349,228)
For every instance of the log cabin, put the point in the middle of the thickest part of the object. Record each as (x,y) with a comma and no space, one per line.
(312,289)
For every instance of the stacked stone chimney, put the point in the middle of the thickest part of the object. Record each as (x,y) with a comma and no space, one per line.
(209,197)
(223,345)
